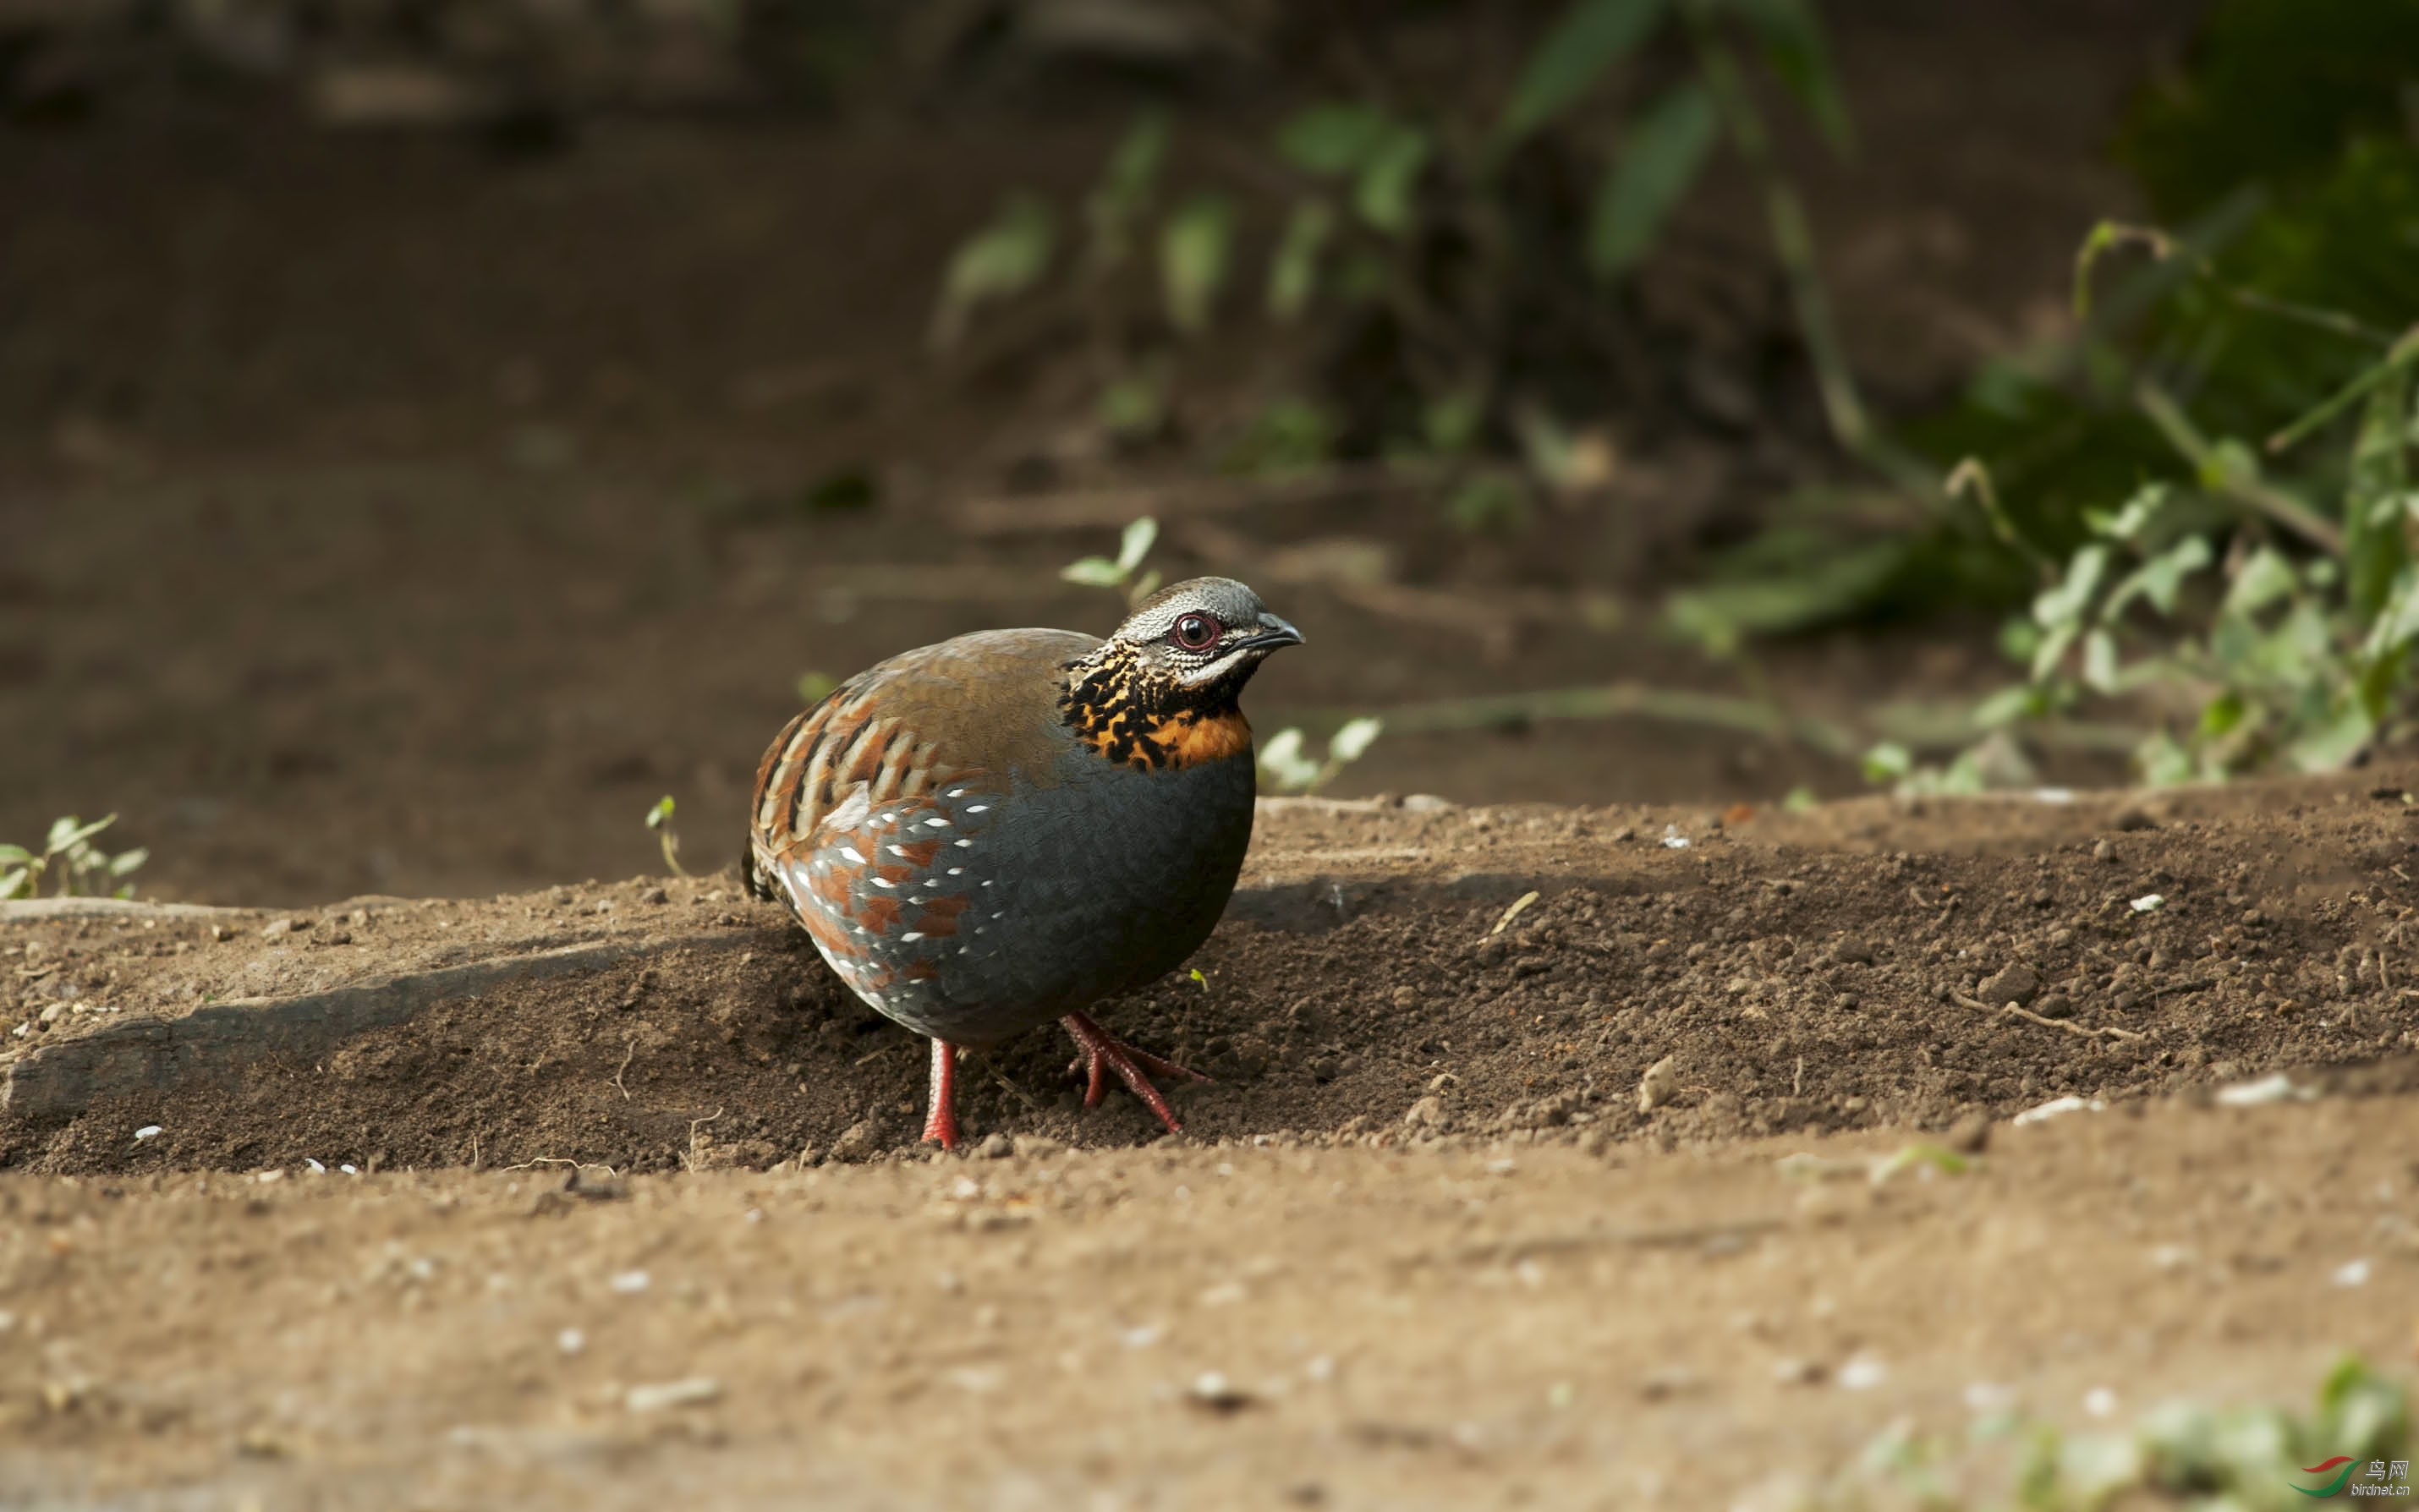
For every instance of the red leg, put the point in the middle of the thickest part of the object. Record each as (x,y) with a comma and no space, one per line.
(941,1117)
(1103,1052)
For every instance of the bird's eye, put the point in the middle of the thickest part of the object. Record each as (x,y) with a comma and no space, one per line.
(1196,632)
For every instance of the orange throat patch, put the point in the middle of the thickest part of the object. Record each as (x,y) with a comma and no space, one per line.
(1114,713)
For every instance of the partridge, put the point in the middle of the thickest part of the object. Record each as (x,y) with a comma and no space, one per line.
(1001,830)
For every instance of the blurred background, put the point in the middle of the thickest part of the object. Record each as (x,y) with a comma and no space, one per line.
(433,433)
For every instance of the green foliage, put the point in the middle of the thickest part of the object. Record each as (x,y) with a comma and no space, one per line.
(1644,184)
(1591,37)
(79,867)
(2274,90)
(659,819)
(1284,762)
(1004,258)
(2284,153)
(1101,572)
(813,688)
(1287,435)
(1423,236)
(2203,601)
(2247,1458)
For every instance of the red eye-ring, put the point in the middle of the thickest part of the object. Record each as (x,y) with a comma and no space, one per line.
(1196,632)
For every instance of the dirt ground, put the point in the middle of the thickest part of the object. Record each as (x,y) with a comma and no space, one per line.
(384,525)
(1422,1232)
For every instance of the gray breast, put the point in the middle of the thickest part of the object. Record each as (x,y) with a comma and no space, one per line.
(1036,900)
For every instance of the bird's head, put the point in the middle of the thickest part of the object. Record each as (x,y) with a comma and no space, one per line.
(1162,691)
(1205,636)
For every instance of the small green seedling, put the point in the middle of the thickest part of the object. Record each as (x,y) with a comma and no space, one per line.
(813,688)
(82,869)
(659,819)
(1284,764)
(1100,571)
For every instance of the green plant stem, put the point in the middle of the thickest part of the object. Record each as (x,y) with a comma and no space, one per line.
(1920,725)
(2399,356)
(1619,701)
(1793,243)
(2277,505)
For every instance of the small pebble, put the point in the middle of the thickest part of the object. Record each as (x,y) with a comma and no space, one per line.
(697,1391)
(1864,1373)
(570,1341)
(149,1131)
(2100,1401)
(2104,852)
(630,1283)
(1655,1088)
(2352,1274)
(995,1146)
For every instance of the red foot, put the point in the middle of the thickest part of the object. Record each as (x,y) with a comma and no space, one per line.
(941,1115)
(1103,1052)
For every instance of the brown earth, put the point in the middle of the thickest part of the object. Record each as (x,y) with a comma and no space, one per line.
(1420,1225)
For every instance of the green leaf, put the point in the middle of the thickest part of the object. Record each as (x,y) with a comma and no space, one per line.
(2063,603)
(2161,579)
(1383,193)
(1004,258)
(1135,543)
(2100,661)
(1283,759)
(1293,270)
(2223,715)
(68,833)
(17,882)
(1353,740)
(1133,405)
(1124,191)
(1591,37)
(1193,258)
(1451,421)
(2375,548)
(2139,514)
(2261,581)
(124,861)
(661,814)
(2331,745)
(2397,620)
(1887,762)
(2008,705)
(2163,761)
(1659,160)
(13,854)
(1793,41)
(1093,572)
(1335,140)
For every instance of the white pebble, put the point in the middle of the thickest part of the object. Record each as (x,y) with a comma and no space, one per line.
(629,1283)
(571,1341)
(1989,1396)
(2355,1273)
(316,1169)
(2149,902)
(1674,839)
(149,1131)
(2100,1401)
(349,1171)
(1864,1373)
(1140,1338)
(695,1392)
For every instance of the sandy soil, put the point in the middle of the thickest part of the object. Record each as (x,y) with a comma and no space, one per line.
(1422,1232)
